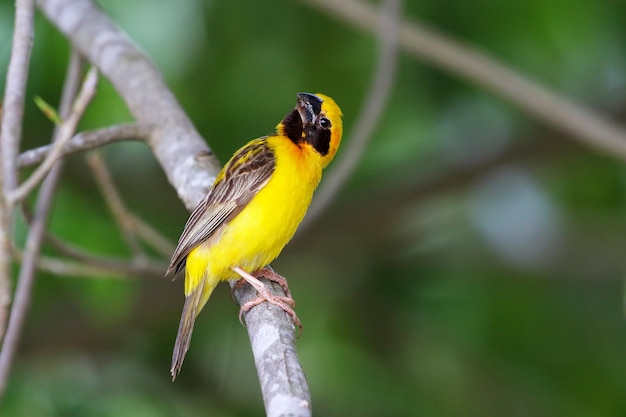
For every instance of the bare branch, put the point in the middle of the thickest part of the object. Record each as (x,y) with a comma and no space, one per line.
(114,202)
(10,136)
(273,340)
(187,161)
(580,123)
(5,264)
(136,266)
(21,301)
(88,140)
(26,276)
(105,268)
(17,74)
(371,112)
(64,268)
(101,268)
(152,236)
(66,131)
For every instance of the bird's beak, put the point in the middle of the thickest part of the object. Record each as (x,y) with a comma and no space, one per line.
(309,106)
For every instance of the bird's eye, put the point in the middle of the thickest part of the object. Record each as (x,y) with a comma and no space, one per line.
(325,123)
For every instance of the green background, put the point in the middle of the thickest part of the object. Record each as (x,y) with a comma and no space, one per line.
(472,266)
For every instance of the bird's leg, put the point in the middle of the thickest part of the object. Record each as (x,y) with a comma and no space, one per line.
(285,303)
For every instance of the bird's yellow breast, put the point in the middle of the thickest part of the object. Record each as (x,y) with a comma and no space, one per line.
(257,235)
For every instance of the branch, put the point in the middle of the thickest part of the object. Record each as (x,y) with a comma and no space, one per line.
(17,74)
(379,210)
(275,357)
(136,266)
(95,267)
(32,249)
(26,277)
(88,140)
(114,202)
(64,268)
(152,237)
(10,136)
(5,262)
(477,67)
(66,131)
(188,163)
(388,23)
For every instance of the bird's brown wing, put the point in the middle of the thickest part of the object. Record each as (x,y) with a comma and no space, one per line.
(247,172)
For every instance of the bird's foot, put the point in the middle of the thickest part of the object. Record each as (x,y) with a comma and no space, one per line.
(286,303)
(271,275)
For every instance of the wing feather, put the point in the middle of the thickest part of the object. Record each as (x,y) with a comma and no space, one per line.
(247,172)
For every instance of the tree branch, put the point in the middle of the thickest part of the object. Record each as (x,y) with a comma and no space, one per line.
(382,81)
(114,202)
(64,268)
(88,140)
(88,266)
(5,262)
(188,163)
(66,131)
(152,237)
(17,74)
(275,357)
(10,136)
(34,238)
(136,266)
(580,123)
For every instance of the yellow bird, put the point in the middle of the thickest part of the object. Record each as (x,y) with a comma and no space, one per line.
(253,209)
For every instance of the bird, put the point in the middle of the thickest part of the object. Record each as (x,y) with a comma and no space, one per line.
(253,210)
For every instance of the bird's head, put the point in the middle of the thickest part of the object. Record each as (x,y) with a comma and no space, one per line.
(315,123)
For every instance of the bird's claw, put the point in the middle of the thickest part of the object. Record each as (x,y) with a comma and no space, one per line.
(286,303)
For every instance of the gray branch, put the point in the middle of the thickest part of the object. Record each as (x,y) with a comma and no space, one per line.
(191,168)
(10,135)
(377,95)
(273,348)
(483,70)
(34,238)
(90,139)
(187,161)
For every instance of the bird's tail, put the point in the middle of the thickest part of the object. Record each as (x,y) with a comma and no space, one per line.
(193,304)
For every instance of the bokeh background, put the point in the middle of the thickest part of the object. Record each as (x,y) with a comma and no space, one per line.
(472,266)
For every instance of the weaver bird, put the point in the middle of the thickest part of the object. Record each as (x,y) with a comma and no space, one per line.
(253,209)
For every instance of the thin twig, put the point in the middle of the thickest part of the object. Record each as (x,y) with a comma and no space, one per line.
(66,131)
(152,237)
(88,140)
(25,281)
(26,276)
(103,268)
(580,123)
(114,202)
(5,263)
(15,88)
(11,118)
(119,268)
(371,112)
(64,268)
(137,265)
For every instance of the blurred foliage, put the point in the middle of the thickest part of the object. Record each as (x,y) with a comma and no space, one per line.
(473,266)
